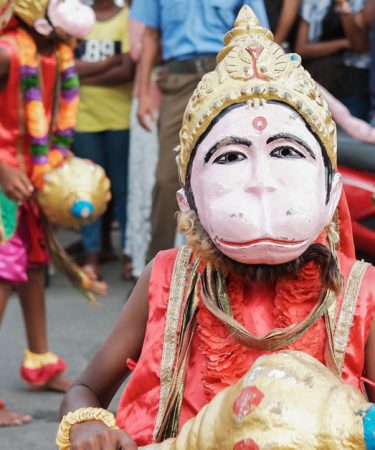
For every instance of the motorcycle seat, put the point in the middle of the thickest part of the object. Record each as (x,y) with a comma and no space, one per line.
(355,154)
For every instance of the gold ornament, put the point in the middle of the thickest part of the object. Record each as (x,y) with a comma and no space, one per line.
(287,401)
(79,416)
(30,10)
(75,193)
(253,68)
(27,10)
(38,360)
(6,12)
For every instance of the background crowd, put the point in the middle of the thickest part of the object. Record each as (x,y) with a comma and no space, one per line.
(141,64)
(138,68)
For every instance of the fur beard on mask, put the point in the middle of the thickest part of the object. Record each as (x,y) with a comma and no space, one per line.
(202,245)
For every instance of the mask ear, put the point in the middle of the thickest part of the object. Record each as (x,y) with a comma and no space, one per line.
(43,27)
(334,198)
(182,200)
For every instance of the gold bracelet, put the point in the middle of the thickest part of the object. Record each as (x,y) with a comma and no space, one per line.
(79,416)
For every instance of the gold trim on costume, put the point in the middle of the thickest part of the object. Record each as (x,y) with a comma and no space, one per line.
(330,315)
(176,297)
(346,316)
(329,350)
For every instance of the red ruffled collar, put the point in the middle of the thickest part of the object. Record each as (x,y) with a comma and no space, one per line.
(226,360)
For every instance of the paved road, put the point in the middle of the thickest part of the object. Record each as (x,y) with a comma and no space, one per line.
(75,329)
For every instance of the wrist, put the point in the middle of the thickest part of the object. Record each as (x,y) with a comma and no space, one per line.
(345,44)
(144,92)
(104,64)
(82,415)
(343,7)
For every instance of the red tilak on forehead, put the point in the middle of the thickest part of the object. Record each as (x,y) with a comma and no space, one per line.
(260,123)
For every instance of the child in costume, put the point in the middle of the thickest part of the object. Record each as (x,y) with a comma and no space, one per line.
(38,97)
(269,266)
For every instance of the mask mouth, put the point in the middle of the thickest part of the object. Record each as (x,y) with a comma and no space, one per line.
(208,251)
(261,241)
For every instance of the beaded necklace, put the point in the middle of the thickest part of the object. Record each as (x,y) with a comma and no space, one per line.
(47,151)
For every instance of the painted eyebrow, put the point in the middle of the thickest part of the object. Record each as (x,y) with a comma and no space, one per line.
(292,138)
(223,142)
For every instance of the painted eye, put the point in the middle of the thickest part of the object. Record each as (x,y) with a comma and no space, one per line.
(286,151)
(230,158)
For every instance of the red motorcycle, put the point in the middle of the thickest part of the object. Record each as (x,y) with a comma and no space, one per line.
(357,166)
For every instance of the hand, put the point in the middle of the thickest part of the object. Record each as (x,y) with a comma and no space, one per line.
(343,7)
(94,435)
(145,113)
(15,183)
(344,43)
(115,60)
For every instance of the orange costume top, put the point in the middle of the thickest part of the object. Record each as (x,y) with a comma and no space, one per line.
(216,359)
(14,142)
(15,150)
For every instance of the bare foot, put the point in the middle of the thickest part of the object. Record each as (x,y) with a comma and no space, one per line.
(11,418)
(92,271)
(127,268)
(58,383)
(91,266)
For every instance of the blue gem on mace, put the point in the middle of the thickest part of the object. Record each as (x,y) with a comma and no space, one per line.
(82,209)
(369,428)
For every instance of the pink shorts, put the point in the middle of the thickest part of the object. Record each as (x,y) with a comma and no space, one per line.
(27,249)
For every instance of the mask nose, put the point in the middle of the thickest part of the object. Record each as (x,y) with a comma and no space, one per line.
(260,178)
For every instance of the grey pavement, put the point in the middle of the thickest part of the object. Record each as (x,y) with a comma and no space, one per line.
(76,330)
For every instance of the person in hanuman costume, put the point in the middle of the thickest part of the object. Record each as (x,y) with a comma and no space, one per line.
(268,266)
(38,93)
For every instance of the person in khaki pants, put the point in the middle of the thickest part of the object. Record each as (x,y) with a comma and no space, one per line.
(188,33)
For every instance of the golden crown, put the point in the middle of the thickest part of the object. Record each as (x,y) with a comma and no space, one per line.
(27,10)
(253,68)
